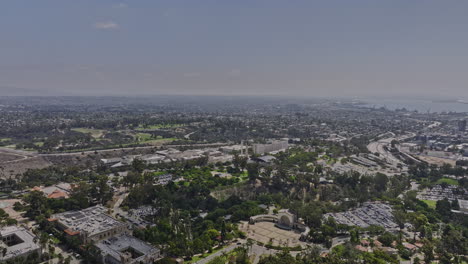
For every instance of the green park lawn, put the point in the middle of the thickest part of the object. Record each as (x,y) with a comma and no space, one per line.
(448,181)
(142,136)
(430,203)
(146,138)
(159,126)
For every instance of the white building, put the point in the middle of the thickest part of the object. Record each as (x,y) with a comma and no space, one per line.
(19,243)
(463,204)
(278,145)
(90,224)
(125,249)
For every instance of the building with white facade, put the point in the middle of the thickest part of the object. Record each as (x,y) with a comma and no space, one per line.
(277,145)
(18,242)
(90,224)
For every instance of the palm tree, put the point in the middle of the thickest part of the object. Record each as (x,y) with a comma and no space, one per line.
(51,251)
(43,239)
(249,244)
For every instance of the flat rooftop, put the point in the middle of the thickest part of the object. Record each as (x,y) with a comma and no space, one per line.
(463,204)
(22,240)
(92,220)
(118,246)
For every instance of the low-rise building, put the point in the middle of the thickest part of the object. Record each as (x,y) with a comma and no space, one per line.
(362,249)
(390,251)
(125,249)
(260,149)
(234,148)
(18,243)
(410,247)
(57,191)
(90,224)
(463,204)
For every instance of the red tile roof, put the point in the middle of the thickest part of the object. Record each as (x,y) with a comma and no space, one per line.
(409,246)
(361,248)
(71,232)
(57,194)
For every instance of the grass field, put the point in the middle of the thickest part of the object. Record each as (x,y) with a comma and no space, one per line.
(95,133)
(159,126)
(142,136)
(146,138)
(4,139)
(448,181)
(430,203)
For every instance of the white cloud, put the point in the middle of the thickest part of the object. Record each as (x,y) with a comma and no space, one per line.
(120,5)
(108,25)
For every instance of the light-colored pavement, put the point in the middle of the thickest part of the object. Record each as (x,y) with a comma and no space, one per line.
(116,207)
(339,240)
(267,232)
(217,254)
(189,134)
(257,252)
(65,254)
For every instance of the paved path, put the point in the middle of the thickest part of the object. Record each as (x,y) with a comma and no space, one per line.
(59,250)
(217,254)
(116,208)
(259,251)
(19,153)
(189,134)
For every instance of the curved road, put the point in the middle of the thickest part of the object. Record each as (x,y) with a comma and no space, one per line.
(378,147)
(217,254)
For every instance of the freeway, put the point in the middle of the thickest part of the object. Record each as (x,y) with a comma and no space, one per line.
(35,154)
(381,146)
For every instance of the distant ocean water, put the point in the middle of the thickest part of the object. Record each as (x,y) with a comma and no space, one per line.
(421,105)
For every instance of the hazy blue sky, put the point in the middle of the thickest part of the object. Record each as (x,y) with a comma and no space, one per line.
(276,47)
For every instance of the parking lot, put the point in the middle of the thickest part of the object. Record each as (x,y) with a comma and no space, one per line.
(368,214)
